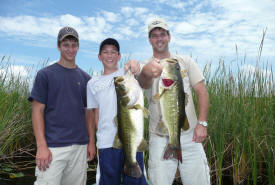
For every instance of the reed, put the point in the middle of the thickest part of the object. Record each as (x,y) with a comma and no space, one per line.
(240,146)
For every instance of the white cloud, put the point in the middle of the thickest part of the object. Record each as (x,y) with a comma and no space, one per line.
(126,30)
(251,70)
(111,17)
(174,3)
(127,11)
(14,71)
(210,27)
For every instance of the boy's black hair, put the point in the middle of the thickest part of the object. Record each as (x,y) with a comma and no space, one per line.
(109,41)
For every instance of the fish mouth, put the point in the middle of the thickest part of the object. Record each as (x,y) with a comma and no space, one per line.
(118,79)
(167,82)
(172,60)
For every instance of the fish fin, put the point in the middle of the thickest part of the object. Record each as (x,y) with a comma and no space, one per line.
(133,170)
(125,100)
(186,99)
(162,128)
(145,113)
(137,106)
(162,93)
(116,121)
(185,125)
(156,97)
(142,146)
(117,143)
(172,152)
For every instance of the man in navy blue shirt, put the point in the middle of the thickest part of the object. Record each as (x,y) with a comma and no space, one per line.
(59,117)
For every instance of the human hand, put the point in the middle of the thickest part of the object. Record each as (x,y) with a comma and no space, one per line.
(133,65)
(156,68)
(91,151)
(43,158)
(200,133)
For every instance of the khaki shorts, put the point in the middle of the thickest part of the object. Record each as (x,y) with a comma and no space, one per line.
(69,166)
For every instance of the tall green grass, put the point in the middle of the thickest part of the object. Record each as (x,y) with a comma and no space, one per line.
(240,146)
(242,126)
(15,110)
(241,140)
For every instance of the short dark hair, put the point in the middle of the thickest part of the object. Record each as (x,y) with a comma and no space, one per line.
(109,41)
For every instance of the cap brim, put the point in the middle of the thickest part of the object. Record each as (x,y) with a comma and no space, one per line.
(157,27)
(67,35)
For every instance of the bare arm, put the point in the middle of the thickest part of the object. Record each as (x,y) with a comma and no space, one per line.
(203,101)
(200,132)
(150,71)
(43,154)
(91,120)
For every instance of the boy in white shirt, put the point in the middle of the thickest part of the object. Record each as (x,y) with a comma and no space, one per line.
(101,95)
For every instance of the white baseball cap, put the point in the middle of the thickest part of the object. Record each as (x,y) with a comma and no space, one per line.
(157,23)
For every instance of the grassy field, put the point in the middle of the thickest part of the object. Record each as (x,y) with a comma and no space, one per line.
(240,146)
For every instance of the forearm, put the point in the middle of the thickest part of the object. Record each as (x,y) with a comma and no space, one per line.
(203,105)
(145,78)
(91,120)
(144,81)
(39,125)
(203,101)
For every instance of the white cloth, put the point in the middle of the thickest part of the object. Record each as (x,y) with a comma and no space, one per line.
(101,94)
(194,169)
(69,166)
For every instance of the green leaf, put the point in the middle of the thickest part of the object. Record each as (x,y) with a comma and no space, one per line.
(7,169)
(16,175)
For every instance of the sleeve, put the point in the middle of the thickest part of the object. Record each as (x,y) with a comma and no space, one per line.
(40,88)
(194,73)
(91,99)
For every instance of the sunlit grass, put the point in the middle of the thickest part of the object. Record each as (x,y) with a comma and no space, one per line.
(240,147)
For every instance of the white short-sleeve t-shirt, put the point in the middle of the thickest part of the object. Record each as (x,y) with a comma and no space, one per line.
(101,94)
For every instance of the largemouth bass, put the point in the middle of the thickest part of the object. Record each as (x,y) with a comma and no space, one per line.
(130,121)
(172,105)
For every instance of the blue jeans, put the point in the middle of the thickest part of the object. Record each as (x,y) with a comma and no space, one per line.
(111,162)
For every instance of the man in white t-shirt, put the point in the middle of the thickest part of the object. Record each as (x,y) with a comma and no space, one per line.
(194,169)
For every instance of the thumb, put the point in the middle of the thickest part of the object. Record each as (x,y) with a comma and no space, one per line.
(126,66)
(194,136)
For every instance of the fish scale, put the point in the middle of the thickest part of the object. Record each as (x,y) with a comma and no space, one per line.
(172,106)
(130,121)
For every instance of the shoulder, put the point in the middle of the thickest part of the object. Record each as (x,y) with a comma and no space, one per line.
(184,59)
(45,72)
(84,74)
(94,81)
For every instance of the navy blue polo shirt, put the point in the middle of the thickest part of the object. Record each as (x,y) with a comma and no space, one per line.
(63,91)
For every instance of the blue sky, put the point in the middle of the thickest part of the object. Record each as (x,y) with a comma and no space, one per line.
(208,30)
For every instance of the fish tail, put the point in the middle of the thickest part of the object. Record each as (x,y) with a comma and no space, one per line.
(133,170)
(172,152)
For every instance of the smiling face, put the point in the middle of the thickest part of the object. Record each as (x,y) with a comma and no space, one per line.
(109,56)
(159,39)
(68,49)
